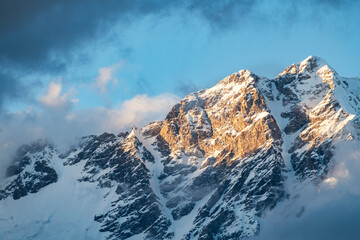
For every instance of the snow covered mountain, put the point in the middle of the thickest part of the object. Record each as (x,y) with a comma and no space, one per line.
(222,158)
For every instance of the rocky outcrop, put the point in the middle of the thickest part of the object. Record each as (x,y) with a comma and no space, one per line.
(315,118)
(31,170)
(119,162)
(233,114)
(228,136)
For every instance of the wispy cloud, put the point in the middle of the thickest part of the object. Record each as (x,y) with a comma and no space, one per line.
(59,122)
(54,98)
(105,78)
(139,110)
(326,212)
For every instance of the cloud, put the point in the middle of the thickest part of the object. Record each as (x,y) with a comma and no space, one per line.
(40,34)
(43,34)
(58,122)
(327,212)
(53,97)
(106,77)
(140,110)
(12,90)
(337,218)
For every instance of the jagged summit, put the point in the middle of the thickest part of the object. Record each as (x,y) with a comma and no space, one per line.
(309,65)
(219,162)
(238,77)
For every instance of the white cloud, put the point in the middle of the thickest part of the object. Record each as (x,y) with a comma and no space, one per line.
(140,110)
(106,76)
(53,97)
(59,123)
(329,211)
(63,126)
(331,182)
(137,111)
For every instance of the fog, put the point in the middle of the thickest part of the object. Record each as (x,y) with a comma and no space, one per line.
(328,211)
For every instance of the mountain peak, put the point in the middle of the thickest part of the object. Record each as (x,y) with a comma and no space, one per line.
(309,65)
(241,76)
(312,59)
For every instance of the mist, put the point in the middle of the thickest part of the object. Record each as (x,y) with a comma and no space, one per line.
(61,124)
(328,211)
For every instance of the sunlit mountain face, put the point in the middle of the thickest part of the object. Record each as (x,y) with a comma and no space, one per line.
(229,162)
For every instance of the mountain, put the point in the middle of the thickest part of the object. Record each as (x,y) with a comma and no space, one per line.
(221,160)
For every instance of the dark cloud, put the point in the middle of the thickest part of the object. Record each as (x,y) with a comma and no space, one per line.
(12,90)
(35,32)
(42,36)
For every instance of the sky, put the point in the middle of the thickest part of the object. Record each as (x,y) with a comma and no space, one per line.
(73,68)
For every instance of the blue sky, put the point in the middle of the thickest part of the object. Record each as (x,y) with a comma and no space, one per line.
(90,66)
(182,52)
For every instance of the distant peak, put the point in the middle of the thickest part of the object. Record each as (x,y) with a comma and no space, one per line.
(133,131)
(311,59)
(310,64)
(245,72)
(239,77)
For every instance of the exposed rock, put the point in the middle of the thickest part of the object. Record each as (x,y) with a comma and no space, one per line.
(30,171)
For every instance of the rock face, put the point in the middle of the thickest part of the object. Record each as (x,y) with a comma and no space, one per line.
(317,114)
(31,170)
(217,164)
(225,136)
(232,114)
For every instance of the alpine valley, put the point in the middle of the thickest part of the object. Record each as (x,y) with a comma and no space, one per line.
(222,160)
